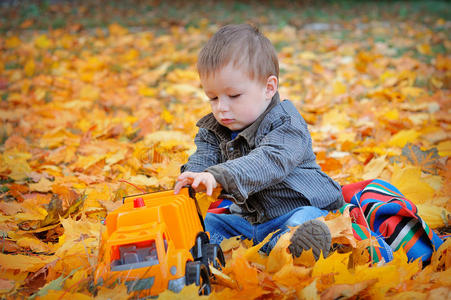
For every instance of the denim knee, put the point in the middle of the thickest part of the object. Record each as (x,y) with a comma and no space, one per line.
(212,222)
(304,214)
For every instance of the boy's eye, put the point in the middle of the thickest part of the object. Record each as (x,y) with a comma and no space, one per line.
(212,99)
(235,96)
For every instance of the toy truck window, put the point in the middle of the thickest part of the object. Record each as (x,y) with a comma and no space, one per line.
(165,241)
(133,256)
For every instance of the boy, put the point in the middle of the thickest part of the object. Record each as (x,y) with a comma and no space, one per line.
(257,148)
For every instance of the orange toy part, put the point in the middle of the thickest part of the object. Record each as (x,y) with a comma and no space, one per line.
(147,242)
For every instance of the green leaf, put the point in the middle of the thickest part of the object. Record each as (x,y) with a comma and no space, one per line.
(56,285)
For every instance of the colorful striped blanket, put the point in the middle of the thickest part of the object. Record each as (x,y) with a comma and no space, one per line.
(380,210)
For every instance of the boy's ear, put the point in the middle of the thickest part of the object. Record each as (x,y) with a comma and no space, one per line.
(271,87)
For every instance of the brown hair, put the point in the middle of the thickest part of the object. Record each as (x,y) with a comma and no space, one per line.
(243,45)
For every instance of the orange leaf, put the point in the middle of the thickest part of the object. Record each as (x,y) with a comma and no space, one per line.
(341,229)
(240,266)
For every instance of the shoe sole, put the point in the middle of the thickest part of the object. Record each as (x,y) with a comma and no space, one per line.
(312,234)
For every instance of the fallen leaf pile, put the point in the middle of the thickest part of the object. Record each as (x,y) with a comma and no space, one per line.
(86,115)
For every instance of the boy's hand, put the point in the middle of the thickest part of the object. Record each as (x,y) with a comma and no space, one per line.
(198,181)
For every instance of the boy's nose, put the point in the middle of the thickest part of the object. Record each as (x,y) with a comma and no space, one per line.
(223,104)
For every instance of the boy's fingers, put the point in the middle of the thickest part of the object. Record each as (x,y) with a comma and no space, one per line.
(178,187)
(185,175)
(209,188)
(196,181)
(180,184)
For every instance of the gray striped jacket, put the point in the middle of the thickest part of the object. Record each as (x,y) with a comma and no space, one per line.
(269,168)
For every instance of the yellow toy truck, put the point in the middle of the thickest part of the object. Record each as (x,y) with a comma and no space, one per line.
(157,241)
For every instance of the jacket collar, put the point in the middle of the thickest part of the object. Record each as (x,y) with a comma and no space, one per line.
(209,122)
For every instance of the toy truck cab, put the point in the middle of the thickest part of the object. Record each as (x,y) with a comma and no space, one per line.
(154,242)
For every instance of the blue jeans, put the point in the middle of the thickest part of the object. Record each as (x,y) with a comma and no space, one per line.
(224,226)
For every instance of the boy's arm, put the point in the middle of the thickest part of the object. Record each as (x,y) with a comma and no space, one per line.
(207,153)
(278,153)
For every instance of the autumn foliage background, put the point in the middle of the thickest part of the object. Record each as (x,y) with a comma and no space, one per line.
(93,93)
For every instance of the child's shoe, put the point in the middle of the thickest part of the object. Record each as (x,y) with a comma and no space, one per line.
(312,234)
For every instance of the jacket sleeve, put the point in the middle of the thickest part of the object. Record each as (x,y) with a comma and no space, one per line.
(207,153)
(283,148)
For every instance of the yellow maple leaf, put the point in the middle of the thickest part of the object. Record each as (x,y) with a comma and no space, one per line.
(424,49)
(147,91)
(78,246)
(433,215)
(183,90)
(306,259)
(408,181)
(12,42)
(180,75)
(403,137)
(62,294)
(166,135)
(79,277)
(85,162)
(56,137)
(117,30)
(89,92)
(44,185)
(253,254)
(16,162)
(310,292)
(339,291)
(339,88)
(35,244)
(167,116)
(230,243)
(444,148)
(411,91)
(36,213)
(116,157)
(337,119)
(375,167)
(143,180)
(292,276)
(43,42)
(205,201)
(336,263)
(188,292)
(24,263)
(392,114)
(94,196)
(222,279)
(29,68)
(279,255)
(130,55)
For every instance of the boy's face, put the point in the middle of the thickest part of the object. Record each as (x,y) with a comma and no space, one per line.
(236,100)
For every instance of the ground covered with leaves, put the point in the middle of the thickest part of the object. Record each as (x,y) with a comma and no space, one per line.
(92,94)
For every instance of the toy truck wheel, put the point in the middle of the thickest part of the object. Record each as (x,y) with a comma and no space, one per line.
(198,273)
(201,240)
(212,253)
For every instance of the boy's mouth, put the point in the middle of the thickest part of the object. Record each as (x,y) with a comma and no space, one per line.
(226,121)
